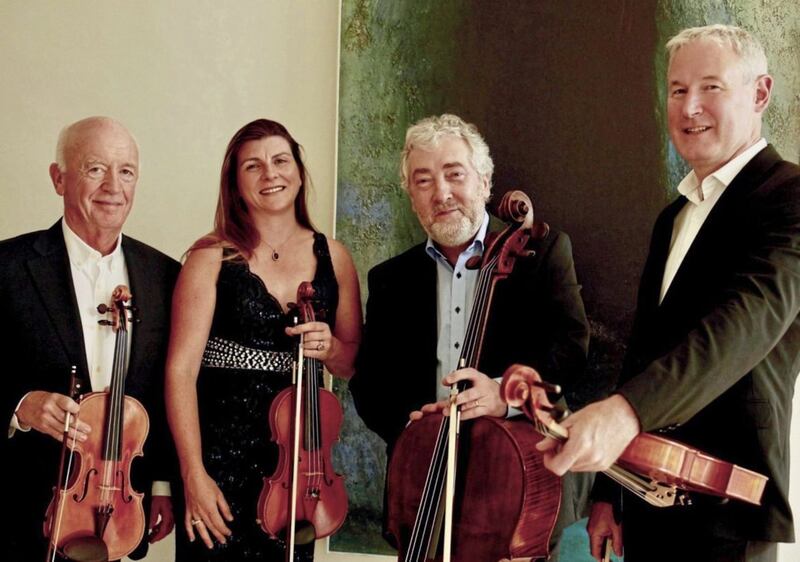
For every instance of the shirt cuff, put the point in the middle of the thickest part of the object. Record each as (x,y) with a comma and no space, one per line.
(161,488)
(510,410)
(15,426)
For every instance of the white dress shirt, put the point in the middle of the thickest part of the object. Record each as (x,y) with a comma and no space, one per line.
(95,277)
(702,198)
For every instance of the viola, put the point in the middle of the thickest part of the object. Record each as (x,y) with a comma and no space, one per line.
(476,484)
(304,420)
(95,514)
(658,470)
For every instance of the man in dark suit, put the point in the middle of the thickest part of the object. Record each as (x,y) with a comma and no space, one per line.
(713,357)
(50,283)
(420,301)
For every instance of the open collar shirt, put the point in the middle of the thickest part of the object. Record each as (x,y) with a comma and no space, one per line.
(702,197)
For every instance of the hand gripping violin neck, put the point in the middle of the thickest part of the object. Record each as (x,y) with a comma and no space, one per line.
(95,515)
(304,420)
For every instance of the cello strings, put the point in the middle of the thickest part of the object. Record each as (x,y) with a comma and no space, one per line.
(421,522)
(421,535)
(479,305)
(420,539)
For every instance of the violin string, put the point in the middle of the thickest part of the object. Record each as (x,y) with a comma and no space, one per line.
(317,460)
(426,513)
(309,423)
(313,384)
(114,424)
(317,374)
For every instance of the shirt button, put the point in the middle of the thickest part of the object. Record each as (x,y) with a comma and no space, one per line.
(458,309)
(456,345)
(458,275)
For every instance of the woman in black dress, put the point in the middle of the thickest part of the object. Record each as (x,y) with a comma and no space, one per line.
(231,348)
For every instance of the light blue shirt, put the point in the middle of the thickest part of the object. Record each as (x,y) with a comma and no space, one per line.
(455,291)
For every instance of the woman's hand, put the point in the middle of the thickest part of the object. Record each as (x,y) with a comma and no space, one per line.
(206,509)
(318,342)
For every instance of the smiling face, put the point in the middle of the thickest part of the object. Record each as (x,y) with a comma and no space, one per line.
(98,179)
(447,194)
(713,110)
(267,174)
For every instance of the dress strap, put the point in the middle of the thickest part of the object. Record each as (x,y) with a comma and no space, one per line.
(323,254)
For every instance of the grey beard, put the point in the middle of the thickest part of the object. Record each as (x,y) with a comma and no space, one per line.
(454,234)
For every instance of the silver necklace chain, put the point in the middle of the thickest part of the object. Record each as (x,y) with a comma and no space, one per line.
(275,255)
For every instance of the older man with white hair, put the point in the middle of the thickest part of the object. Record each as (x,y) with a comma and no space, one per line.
(51,282)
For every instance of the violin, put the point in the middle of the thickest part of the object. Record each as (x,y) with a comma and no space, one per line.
(658,470)
(476,484)
(95,515)
(304,420)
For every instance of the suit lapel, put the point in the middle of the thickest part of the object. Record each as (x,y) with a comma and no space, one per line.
(50,274)
(724,212)
(141,295)
(423,315)
(653,275)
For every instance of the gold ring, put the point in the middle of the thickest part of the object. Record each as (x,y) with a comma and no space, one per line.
(196,521)
(320,346)
(477,403)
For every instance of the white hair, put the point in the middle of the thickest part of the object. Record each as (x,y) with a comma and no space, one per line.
(427,133)
(67,135)
(740,41)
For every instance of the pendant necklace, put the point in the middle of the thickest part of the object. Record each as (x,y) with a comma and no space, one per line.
(275,255)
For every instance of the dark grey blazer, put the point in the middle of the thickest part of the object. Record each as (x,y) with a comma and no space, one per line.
(715,363)
(41,337)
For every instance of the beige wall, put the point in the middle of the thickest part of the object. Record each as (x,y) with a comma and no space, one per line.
(183,76)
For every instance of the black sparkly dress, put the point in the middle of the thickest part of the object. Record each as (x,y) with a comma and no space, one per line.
(246,363)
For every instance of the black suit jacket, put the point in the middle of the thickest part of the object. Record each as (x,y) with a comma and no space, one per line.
(715,363)
(537,319)
(41,337)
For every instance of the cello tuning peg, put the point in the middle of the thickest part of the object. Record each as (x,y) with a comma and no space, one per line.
(548,387)
(102,308)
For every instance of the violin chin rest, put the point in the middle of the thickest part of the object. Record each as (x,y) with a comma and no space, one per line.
(304,533)
(86,549)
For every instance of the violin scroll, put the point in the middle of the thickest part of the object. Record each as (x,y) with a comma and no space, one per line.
(117,309)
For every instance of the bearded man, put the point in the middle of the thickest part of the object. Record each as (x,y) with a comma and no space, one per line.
(420,301)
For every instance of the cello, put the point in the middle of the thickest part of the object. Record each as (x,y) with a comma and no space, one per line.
(507,500)
(95,515)
(304,487)
(660,471)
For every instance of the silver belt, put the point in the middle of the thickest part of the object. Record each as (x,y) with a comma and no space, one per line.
(225,354)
